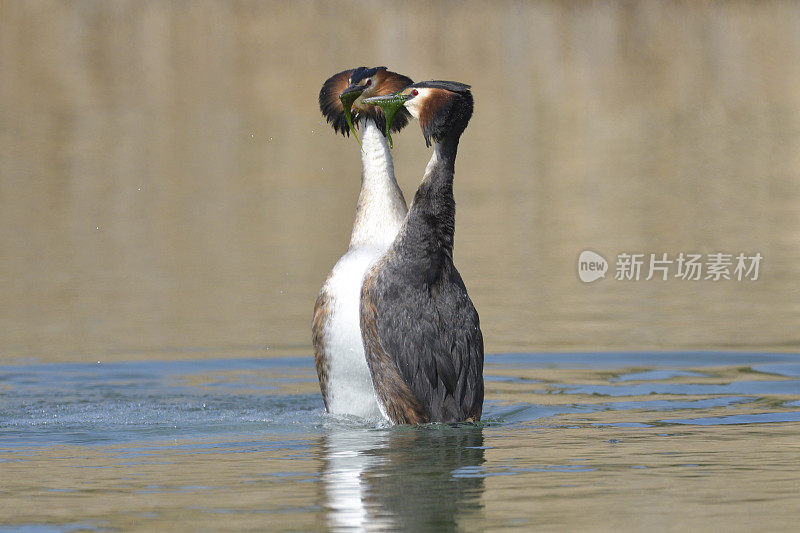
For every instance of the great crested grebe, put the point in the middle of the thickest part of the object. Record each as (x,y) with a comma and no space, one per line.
(421,333)
(338,350)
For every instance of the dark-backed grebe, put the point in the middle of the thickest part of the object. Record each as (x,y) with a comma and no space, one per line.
(421,333)
(338,350)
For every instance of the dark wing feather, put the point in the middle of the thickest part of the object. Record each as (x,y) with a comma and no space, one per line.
(433,340)
(467,341)
(329,102)
(394,393)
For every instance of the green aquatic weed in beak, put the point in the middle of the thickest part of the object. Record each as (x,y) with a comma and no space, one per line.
(347,98)
(390,105)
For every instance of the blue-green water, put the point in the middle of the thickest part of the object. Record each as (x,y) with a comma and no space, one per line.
(245,443)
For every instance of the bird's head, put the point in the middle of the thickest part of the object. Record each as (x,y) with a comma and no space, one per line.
(343,94)
(442,107)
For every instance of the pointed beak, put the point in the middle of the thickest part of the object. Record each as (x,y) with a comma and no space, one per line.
(354,88)
(389,100)
(347,97)
(350,95)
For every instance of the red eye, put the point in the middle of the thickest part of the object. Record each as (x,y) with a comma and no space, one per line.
(369,82)
(414,92)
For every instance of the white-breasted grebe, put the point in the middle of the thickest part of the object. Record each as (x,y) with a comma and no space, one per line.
(338,350)
(421,333)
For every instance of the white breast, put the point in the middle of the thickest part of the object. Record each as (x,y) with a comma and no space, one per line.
(350,389)
(379,216)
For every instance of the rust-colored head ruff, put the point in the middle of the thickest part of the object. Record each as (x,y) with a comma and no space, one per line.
(376,81)
(442,107)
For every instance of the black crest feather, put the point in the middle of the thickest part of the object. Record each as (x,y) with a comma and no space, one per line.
(448,112)
(329,102)
(388,82)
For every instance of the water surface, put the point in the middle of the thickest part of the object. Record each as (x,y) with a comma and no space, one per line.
(683,440)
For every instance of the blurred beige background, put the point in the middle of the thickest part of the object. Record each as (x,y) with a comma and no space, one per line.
(169,189)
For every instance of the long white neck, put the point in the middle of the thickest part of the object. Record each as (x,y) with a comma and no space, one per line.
(381,206)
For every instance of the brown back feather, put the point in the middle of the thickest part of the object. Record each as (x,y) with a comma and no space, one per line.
(321,358)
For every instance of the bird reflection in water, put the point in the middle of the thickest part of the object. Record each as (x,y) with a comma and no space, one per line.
(414,478)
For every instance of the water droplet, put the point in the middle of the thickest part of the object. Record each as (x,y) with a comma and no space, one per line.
(270,138)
